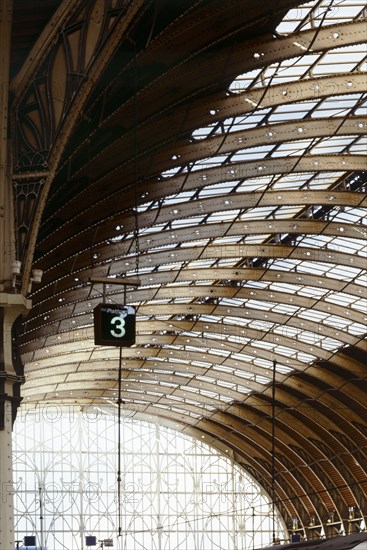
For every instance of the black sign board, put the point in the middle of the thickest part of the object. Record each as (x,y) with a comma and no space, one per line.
(114,325)
(30,541)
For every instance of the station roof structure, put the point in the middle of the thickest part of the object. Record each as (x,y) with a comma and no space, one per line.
(214,150)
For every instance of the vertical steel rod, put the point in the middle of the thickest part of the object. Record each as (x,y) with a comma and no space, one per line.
(119,403)
(41,517)
(273,448)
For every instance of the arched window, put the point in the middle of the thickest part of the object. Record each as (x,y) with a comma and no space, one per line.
(176,491)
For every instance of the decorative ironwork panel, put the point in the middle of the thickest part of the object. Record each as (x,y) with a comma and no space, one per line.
(42,110)
(26,195)
(44,106)
(176,491)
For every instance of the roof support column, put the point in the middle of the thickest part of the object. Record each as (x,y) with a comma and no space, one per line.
(6,477)
(11,378)
(7,251)
(7,236)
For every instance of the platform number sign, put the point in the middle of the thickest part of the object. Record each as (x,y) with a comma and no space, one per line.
(114,325)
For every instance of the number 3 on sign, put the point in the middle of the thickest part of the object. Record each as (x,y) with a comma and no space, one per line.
(118,330)
(114,325)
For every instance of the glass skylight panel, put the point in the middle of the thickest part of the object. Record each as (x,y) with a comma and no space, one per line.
(360,305)
(233,302)
(349,246)
(263,344)
(285,350)
(260,324)
(322,69)
(292,19)
(242,81)
(285,265)
(314,268)
(289,69)
(283,369)
(286,212)
(252,119)
(155,229)
(220,352)
(256,304)
(256,284)
(330,146)
(226,240)
(209,162)
(286,309)
(281,114)
(292,181)
(292,148)
(342,299)
(359,147)
(227,215)
(285,287)
(187,222)
(305,357)
(202,133)
(171,172)
(255,153)
(336,105)
(218,190)
(337,322)
(184,196)
(256,213)
(361,280)
(228,262)
(343,273)
(236,321)
(355,216)
(313,292)
(361,110)
(276,332)
(328,13)
(255,184)
(235,124)
(199,264)
(243,374)
(262,379)
(313,315)
(313,241)
(357,329)
(242,357)
(190,244)
(226,384)
(255,239)
(344,59)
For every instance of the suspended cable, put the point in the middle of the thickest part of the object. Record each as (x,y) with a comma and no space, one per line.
(273,448)
(136,176)
(119,404)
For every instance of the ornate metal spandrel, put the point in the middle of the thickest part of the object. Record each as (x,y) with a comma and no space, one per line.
(26,196)
(44,106)
(41,110)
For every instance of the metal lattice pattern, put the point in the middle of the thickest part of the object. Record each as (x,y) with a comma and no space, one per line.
(177,492)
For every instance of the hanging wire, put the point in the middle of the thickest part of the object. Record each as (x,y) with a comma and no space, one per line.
(119,405)
(273,448)
(136,176)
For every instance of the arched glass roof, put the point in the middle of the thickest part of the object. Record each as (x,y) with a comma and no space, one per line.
(228,174)
(251,245)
